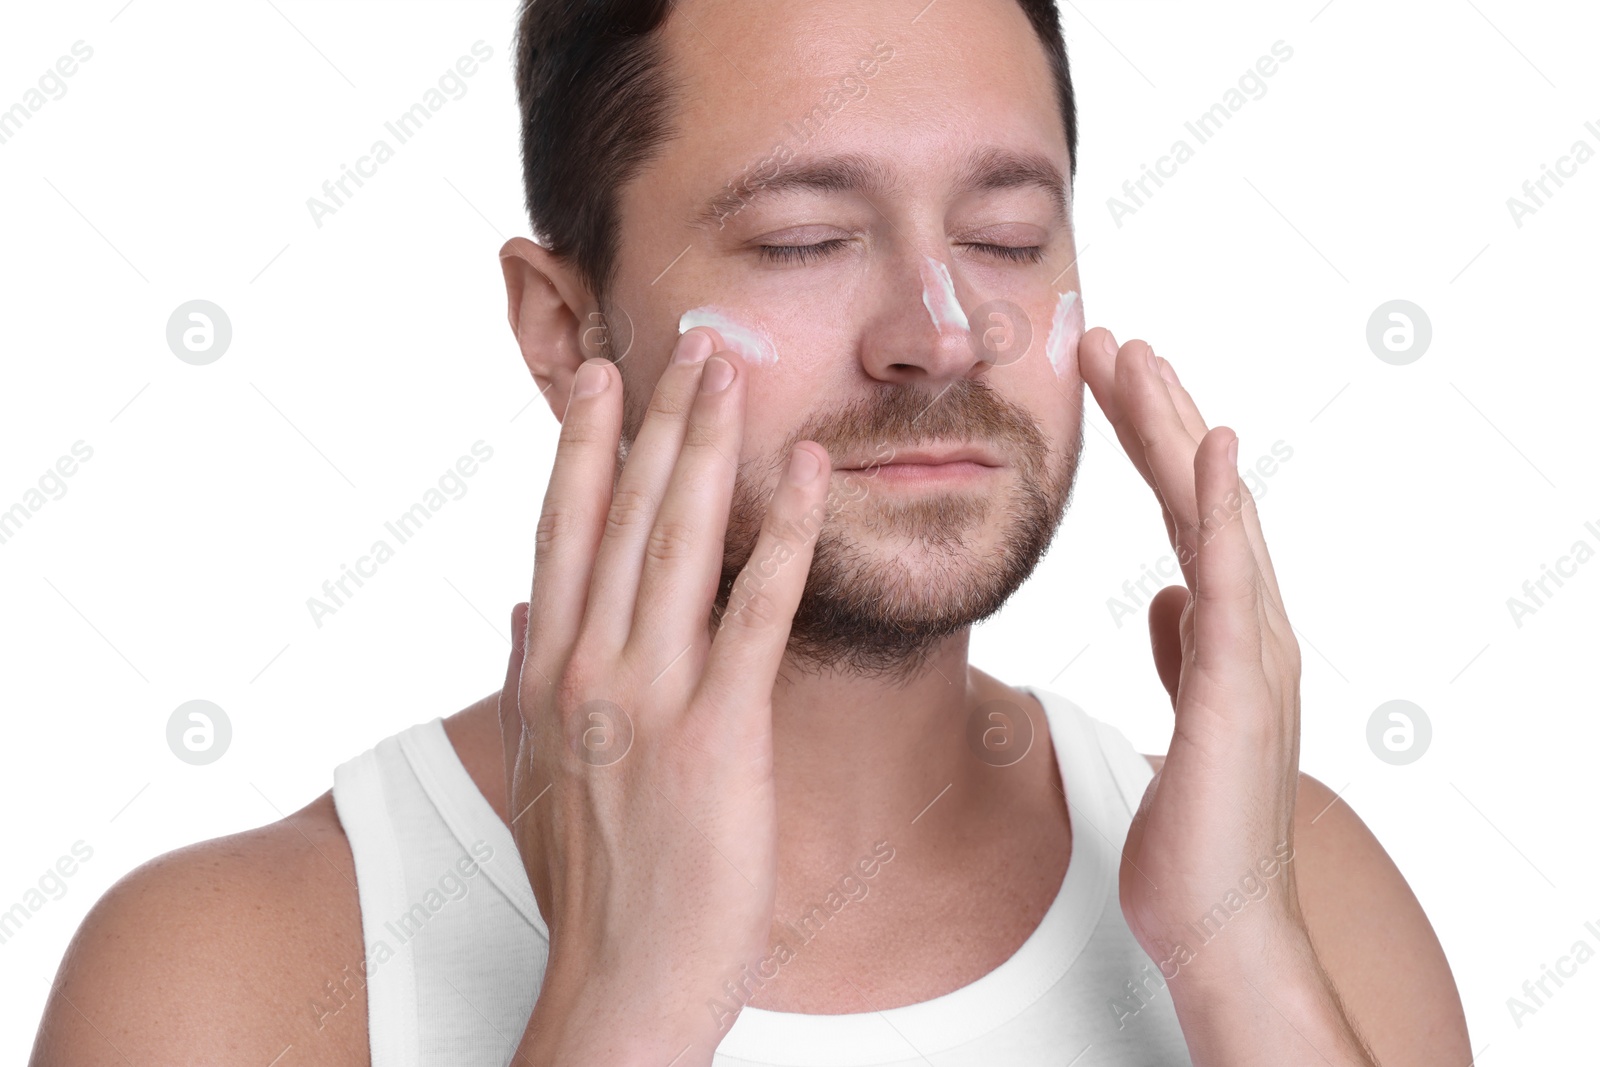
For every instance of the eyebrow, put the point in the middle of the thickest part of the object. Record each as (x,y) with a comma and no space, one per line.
(988,168)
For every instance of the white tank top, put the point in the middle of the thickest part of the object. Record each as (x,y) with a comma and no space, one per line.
(456,947)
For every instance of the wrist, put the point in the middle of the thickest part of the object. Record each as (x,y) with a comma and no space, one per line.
(1275,935)
(1259,917)
(586,1019)
(1211,973)
(1263,999)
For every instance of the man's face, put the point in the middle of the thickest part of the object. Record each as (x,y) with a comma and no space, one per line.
(866,344)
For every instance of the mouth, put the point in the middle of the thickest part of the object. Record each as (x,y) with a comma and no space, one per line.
(927,465)
(965,455)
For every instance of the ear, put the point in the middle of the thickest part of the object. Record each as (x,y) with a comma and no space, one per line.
(551,314)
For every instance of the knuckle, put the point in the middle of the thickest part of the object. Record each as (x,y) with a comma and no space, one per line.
(571,690)
(755,608)
(1244,587)
(555,525)
(629,508)
(721,732)
(792,528)
(577,435)
(575,693)
(591,727)
(670,540)
(663,404)
(705,429)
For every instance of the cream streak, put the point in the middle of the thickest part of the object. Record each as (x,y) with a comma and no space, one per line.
(751,342)
(939,297)
(1066,327)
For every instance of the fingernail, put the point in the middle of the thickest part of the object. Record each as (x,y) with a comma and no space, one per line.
(1109,343)
(803,466)
(1150,358)
(591,378)
(716,376)
(693,347)
(1233,452)
(1168,375)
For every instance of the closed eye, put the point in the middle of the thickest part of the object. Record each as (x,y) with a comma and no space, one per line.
(800,253)
(1019,253)
(823,249)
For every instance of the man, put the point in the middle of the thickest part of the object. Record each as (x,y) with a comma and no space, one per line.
(741,798)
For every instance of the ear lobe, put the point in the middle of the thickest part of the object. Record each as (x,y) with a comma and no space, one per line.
(545,307)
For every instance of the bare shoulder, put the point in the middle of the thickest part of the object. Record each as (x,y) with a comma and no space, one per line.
(229,951)
(1372,935)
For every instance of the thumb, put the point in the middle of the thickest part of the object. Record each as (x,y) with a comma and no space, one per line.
(1166,639)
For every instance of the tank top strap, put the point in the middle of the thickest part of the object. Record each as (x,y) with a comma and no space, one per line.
(1117,769)
(467,813)
(1130,770)
(454,943)
(361,800)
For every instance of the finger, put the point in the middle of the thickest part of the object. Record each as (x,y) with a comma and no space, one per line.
(682,564)
(1258,545)
(510,710)
(614,583)
(749,645)
(574,510)
(1166,636)
(1099,359)
(1189,412)
(1227,627)
(1169,451)
(1098,356)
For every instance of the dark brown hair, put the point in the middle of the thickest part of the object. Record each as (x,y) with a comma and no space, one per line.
(596,99)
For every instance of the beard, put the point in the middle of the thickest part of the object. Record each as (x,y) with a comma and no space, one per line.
(894,572)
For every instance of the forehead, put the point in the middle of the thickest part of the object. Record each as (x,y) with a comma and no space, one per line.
(918,86)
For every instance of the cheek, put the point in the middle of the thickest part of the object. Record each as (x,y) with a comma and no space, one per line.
(750,339)
(1066,327)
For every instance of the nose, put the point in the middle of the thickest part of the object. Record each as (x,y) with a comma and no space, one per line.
(921,330)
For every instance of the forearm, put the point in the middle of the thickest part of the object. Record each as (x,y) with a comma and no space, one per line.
(1268,1006)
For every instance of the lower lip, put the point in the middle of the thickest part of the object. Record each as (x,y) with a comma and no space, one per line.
(923,473)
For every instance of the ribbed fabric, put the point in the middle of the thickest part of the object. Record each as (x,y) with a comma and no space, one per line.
(456,947)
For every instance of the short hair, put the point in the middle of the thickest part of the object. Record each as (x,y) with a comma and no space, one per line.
(595,101)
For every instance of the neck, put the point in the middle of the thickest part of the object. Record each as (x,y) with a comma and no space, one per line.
(858,760)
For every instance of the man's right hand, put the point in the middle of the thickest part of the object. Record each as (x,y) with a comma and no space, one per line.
(638,745)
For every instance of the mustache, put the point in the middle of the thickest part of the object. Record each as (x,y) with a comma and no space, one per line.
(904,416)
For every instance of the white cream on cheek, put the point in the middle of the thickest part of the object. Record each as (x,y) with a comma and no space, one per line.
(1066,327)
(751,341)
(939,297)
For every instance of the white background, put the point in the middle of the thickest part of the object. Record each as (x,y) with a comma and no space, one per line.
(369,354)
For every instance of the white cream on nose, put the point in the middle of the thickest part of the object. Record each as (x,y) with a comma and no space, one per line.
(751,341)
(939,297)
(1066,327)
